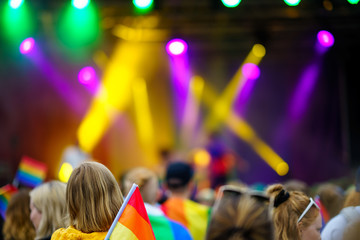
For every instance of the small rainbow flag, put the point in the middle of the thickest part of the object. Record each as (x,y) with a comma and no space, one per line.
(132,221)
(31,172)
(192,215)
(6,193)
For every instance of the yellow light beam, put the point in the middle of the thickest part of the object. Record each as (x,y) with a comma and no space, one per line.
(113,96)
(244,131)
(223,105)
(191,112)
(144,119)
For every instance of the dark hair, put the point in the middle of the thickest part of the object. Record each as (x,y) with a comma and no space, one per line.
(178,174)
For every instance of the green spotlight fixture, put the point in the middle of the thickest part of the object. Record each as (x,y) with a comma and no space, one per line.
(292,2)
(14,4)
(231,3)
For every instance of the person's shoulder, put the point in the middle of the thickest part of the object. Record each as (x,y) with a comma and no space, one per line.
(59,234)
(179,230)
(197,205)
(334,227)
(72,233)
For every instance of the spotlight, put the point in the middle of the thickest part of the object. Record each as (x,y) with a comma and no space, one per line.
(143,4)
(176,47)
(325,38)
(27,45)
(15,3)
(87,75)
(250,71)
(231,3)
(80,4)
(292,2)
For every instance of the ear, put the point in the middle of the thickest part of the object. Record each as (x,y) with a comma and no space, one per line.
(300,227)
(158,195)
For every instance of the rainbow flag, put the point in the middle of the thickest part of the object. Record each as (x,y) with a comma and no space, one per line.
(132,221)
(31,172)
(6,192)
(192,215)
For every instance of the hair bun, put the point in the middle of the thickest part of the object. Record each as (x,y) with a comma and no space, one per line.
(281,197)
(274,189)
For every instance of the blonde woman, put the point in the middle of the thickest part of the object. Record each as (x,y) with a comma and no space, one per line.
(295,215)
(48,208)
(94,198)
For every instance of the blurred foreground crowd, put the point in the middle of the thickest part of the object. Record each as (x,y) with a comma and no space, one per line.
(86,206)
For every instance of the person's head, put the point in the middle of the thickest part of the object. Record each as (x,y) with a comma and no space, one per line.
(240,217)
(331,196)
(296,185)
(178,177)
(48,208)
(93,197)
(18,225)
(147,182)
(295,215)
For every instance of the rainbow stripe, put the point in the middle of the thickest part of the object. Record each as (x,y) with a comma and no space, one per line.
(133,223)
(192,215)
(325,217)
(31,172)
(6,192)
(165,228)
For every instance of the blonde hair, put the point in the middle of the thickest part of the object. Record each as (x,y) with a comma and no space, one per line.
(352,199)
(93,197)
(287,213)
(147,182)
(240,219)
(17,225)
(49,199)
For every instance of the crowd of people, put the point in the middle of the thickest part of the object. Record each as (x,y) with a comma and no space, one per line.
(86,206)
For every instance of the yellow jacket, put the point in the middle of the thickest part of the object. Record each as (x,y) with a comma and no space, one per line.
(72,233)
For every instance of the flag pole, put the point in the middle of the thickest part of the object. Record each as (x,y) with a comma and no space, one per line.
(132,190)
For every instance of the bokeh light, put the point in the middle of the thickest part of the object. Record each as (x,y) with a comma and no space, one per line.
(202,158)
(65,172)
(176,47)
(353,1)
(231,3)
(259,50)
(79,29)
(80,4)
(292,2)
(282,168)
(325,38)
(17,22)
(27,45)
(250,71)
(14,4)
(87,75)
